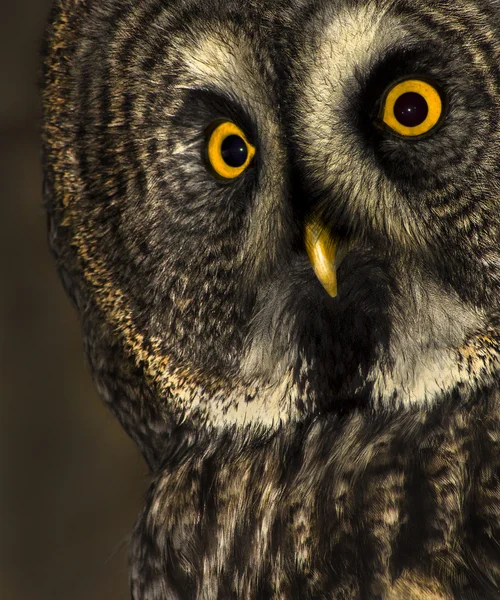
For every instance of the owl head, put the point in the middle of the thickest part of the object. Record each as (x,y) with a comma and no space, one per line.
(270,210)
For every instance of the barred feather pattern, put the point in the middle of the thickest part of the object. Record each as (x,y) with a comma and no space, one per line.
(368,506)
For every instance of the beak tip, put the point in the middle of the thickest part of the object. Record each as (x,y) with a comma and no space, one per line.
(331,289)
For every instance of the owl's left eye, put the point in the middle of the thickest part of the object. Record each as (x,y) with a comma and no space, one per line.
(229,152)
(412,108)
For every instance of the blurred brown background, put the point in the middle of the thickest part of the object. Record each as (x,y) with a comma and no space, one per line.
(71,482)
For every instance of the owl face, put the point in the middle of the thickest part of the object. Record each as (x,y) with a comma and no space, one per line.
(201,146)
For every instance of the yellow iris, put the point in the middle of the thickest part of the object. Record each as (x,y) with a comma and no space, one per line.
(412,107)
(229,151)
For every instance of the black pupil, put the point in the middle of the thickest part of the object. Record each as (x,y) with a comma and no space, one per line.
(411,109)
(234,151)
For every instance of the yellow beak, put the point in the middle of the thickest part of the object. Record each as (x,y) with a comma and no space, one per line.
(322,251)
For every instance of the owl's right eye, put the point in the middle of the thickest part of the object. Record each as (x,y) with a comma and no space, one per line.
(229,152)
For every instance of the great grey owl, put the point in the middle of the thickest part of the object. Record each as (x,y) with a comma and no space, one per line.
(279,221)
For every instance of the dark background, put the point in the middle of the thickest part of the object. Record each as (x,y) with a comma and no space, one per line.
(71,482)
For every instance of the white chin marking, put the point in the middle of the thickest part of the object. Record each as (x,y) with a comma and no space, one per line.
(433,350)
